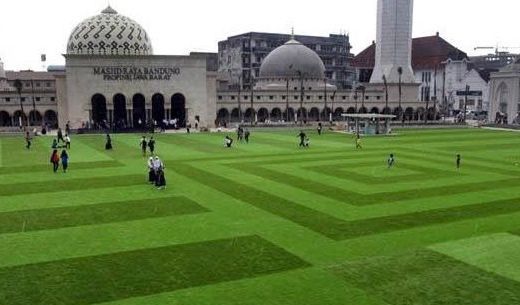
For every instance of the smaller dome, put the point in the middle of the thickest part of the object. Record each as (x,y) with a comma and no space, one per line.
(291,59)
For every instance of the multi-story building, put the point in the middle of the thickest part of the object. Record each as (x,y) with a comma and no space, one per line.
(442,70)
(240,56)
(37,97)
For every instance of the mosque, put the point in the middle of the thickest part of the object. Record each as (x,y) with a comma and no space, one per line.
(112,77)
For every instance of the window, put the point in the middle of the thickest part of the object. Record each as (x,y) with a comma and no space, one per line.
(27,84)
(47,84)
(246,97)
(219,97)
(295,97)
(283,97)
(7,99)
(38,84)
(295,88)
(233,97)
(23,99)
(37,99)
(320,97)
(344,97)
(258,97)
(53,99)
(308,97)
(378,97)
(271,97)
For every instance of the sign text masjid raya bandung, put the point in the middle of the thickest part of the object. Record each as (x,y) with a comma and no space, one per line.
(136,73)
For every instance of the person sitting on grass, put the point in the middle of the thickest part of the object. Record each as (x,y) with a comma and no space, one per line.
(228,142)
(391,161)
(54,144)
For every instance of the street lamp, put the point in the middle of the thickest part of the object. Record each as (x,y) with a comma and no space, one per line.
(300,74)
(356,98)
(253,114)
(287,101)
(325,112)
(400,72)
(18,85)
(386,91)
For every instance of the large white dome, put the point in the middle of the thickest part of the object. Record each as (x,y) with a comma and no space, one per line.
(291,59)
(109,33)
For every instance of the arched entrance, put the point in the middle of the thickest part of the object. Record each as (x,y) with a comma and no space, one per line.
(263,115)
(302,114)
(35,118)
(222,115)
(291,115)
(409,113)
(325,114)
(158,108)
(51,118)
(276,115)
(234,115)
(374,110)
(5,119)
(362,110)
(249,115)
(139,110)
(99,109)
(314,114)
(120,110)
(503,98)
(179,109)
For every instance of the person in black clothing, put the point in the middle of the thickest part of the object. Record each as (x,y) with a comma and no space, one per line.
(228,142)
(108,144)
(458,161)
(320,128)
(28,140)
(160,181)
(151,145)
(67,127)
(144,144)
(64,160)
(60,136)
(246,135)
(302,137)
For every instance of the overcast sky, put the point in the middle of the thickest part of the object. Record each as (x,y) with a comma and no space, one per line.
(29,28)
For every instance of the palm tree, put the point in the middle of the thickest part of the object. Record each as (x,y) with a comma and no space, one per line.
(18,85)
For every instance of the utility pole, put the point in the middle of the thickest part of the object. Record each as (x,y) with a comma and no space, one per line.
(466,102)
(287,101)
(325,112)
(444,99)
(401,112)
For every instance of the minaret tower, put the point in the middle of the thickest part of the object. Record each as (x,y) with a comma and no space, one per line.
(394,42)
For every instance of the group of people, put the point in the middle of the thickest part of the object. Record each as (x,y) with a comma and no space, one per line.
(156,173)
(147,144)
(305,142)
(243,134)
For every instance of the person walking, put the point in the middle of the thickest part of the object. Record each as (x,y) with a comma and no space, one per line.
(302,137)
(108,144)
(246,135)
(151,171)
(67,141)
(358,142)
(64,160)
(151,145)
(458,161)
(144,144)
(60,136)
(28,139)
(320,128)
(55,160)
(391,161)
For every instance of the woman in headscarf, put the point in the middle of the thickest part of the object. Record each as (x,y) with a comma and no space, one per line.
(55,160)
(151,171)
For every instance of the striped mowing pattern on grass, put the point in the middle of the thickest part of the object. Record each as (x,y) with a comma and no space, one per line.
(55,218)
(116,276)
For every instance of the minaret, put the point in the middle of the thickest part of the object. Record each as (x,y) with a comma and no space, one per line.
(394,41)
(2,71)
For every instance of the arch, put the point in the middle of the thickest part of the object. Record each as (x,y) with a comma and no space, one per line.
(503,97)
(387,110)
(18,118)
(235,117)
(119,101)
(362,110)
(249,115)
(314,114)
(139,110)
(432,114)
(409,113)
(419,114)
(289,113)
(276,115)
(158,113)
(51,118)
(302,114)
(351,110)
(263,115)
(5,119)
(222,115)
(99,108)
(374,110)
(325,114)
(35,118)
(179,109)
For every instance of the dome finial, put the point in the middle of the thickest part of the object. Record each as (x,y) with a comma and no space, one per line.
(109,10)
(292,33)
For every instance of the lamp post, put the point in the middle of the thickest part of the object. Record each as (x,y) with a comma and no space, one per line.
(466,102)
(325,112)
(333,97)
(386,91)
(427,93)
(253,114)
(287,101)
(356,98)
(18,85)
(401,113)
(300,74)
(363,91)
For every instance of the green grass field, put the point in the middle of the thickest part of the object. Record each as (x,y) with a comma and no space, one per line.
(264,223)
